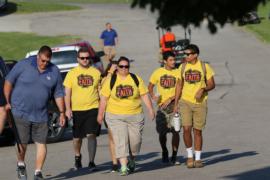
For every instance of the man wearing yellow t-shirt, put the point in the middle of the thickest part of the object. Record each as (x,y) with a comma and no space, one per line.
(165,79)
(197,79)
(82,99)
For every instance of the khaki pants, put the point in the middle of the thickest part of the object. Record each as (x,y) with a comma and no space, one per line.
(193,114)
(109,52)
(127,133)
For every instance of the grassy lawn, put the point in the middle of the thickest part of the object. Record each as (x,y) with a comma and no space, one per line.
(15,45)
(24,6)
(96,1)
(262,30)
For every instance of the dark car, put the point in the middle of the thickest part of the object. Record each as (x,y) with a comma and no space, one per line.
(3,4)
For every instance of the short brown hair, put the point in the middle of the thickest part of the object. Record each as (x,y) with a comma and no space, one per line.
(46,50)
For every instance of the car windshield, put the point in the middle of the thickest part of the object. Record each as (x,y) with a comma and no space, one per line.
(64,57)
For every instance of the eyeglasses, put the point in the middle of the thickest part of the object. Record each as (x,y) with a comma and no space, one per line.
(123,66)
(44,61)
(84,58)
(187,54)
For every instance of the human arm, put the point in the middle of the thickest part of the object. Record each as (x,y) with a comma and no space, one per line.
(61,107)
(7,92)
(210,85)
(145,98)
(178,93)
(151,92)
(102,108)
(68,112)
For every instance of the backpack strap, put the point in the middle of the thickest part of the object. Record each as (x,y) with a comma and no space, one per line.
(135,79)
(183,70)
(204,71)
(114,76)
(113,80)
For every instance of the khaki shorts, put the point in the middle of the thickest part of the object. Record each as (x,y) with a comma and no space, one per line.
(109,52)
(193,114)
(127,133)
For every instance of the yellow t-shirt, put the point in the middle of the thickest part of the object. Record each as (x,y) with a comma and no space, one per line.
(125,97)
(84,88)
(165,81)
(194,80)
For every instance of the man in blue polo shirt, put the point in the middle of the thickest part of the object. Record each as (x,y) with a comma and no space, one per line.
(28,88)
(110,39)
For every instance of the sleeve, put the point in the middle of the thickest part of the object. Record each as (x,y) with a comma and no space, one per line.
(153,78)
(102,35)
(105,89)
(116,35)
(68,80)
(15,72)
(59,89)
(209,71)
(142,88)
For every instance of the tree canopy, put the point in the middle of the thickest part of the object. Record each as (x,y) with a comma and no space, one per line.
(193,12)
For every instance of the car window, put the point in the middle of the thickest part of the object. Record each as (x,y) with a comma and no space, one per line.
(64,57)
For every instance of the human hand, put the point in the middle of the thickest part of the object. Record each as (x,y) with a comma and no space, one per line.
(199,94)
(69,114)
(62,119)
(100,119)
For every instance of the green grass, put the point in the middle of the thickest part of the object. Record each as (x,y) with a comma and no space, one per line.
(262,30)
(15,45)
(24,6)
(96,1)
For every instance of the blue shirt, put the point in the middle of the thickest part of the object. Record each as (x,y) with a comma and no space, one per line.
(109,37)
(32,90)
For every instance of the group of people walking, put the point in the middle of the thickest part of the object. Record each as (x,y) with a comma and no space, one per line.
(88,98)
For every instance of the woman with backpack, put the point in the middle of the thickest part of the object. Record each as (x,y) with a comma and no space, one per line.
(120,102)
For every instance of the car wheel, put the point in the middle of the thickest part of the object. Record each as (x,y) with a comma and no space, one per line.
(55,131)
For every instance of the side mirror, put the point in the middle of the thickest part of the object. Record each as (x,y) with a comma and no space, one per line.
(100,53)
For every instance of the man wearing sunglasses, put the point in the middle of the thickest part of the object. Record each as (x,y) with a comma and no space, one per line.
(82,100)
(197,79)
(28,87)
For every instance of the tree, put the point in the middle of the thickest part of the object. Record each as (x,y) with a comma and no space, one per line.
(185,12)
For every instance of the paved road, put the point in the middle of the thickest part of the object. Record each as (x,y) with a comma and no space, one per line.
(236,144)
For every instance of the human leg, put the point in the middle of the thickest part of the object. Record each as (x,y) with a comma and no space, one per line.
(3,116)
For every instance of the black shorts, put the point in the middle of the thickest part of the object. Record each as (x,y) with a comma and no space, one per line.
(85,122)
(163,123)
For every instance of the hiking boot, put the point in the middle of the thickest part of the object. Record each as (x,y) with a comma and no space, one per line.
(78,162)
(131,165)
(21,171)
(174,161)
(190,163)
(124,171)
(198,164)
(92,166)
(165,157)
(38,176)
(114,168)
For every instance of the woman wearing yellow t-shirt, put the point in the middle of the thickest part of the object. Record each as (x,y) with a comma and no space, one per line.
(124,115)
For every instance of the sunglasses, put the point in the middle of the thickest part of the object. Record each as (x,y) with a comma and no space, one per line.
(123,66)
(44,61)
(187,54)
(84,58)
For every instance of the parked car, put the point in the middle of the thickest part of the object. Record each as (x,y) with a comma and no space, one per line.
(3,4)
(65,57)
(250,18)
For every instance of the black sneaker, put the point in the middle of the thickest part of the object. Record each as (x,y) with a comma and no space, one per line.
(174,161)
(78,162)
(92,166)
(131,165)
(114,168)
(38,176)
(21,171)
(165,157)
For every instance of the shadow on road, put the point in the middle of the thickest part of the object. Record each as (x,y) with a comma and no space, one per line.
(229,157)
(11,8)
(106,167)
(263,173)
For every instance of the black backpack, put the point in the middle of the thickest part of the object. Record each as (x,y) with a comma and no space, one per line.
(133,76)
